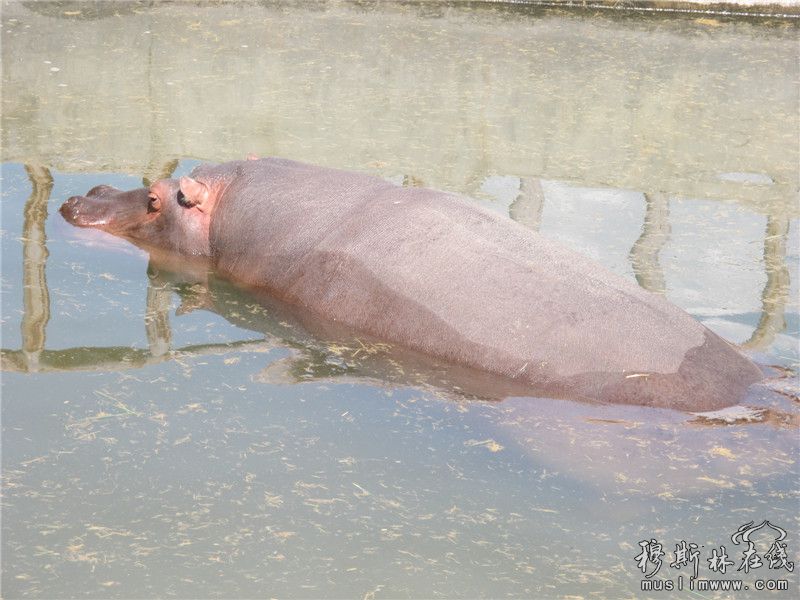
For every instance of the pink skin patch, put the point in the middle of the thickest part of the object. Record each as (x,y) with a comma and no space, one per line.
(150,218)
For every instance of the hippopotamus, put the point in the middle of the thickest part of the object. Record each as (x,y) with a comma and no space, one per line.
(433,272)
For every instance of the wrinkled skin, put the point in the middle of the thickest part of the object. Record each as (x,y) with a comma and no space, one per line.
(433,272)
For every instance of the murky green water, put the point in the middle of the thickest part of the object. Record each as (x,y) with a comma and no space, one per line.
(163,438)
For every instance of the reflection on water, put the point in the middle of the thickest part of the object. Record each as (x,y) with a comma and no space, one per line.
(650,104)
(644,253)
(776,291)
(34,284)
(174,436)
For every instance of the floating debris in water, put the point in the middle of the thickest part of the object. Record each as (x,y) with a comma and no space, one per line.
(489,444)
(731,415)
(788,386)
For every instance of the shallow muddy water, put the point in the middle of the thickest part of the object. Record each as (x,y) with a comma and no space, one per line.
(164,437)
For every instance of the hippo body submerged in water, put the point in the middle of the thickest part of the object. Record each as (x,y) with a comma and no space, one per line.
(433,272)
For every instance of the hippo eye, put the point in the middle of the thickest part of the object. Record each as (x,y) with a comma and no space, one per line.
(154,204)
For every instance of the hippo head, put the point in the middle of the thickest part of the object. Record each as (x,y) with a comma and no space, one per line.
(158,217)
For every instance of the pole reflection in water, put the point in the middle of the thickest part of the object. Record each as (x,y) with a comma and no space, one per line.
(526,208)
(36,297)
(655,233)
(155,172)
(156,320)
(776,291)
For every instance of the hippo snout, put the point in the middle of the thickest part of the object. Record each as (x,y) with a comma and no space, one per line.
(85,211)
(74,212)
(71,211)
(107,208)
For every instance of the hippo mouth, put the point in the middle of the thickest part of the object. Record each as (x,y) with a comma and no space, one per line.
(107,208)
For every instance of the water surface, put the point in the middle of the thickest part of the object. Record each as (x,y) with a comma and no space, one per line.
(162,437)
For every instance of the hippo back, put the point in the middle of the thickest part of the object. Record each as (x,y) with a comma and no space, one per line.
(438,274)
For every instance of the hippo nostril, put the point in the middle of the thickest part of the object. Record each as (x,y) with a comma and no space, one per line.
(70,210)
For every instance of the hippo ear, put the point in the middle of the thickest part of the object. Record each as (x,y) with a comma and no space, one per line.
(252,156)
(195,193)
